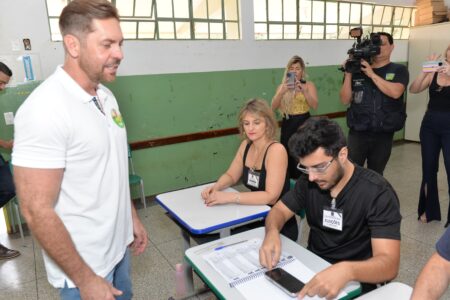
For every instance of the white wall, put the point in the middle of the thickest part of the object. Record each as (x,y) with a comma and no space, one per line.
(28,19)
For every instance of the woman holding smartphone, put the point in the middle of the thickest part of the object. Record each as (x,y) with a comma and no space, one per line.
(294,98)
(434,135)
(260,161)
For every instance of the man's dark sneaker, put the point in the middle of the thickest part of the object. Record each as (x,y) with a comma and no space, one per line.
(6,253)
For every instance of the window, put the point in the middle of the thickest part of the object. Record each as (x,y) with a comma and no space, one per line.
(167,19)
(323,19)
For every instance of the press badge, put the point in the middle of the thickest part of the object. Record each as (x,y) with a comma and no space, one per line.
(333,218)
(253,179)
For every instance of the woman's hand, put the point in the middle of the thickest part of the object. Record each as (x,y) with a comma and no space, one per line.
(207,191)
(301,86)
(217,198)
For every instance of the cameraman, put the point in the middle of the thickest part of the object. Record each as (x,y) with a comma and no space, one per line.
(376,107)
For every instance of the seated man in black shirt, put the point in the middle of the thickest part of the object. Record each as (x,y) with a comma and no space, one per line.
(353,213)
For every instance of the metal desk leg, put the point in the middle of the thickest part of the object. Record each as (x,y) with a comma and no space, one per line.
(189,281)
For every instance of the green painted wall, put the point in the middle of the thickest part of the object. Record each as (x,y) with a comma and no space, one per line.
(156,106)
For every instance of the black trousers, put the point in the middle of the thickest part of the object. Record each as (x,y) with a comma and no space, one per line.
(371,147)
(289,126)
(7,190)
(434,137)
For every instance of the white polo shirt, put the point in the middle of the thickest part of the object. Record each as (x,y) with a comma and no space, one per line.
(59,126)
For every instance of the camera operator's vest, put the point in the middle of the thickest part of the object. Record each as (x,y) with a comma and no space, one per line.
(374,111)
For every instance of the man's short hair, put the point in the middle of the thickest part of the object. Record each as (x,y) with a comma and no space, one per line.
(4,69)
(76,18)
(317,132)
(388,36)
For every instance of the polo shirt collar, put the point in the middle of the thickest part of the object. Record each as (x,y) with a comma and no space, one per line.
(75,89)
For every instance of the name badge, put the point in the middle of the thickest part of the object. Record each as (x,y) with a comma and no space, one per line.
(253,179)
(333,218)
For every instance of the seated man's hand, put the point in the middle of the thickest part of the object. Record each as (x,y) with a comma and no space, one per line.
(269,253)
(328,283)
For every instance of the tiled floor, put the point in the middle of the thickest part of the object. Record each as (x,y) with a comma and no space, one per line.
(154,271)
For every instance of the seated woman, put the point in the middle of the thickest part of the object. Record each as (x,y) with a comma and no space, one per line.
(260,161)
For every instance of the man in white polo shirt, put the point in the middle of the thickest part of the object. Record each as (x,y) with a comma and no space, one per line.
(71,165)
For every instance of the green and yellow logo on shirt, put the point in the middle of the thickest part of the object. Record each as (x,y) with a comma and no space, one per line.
(390,76)
(117,118)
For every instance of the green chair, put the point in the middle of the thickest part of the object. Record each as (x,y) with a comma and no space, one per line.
(301,214)
(135,179)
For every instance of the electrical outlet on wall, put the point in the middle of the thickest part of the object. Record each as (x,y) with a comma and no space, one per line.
(9,118)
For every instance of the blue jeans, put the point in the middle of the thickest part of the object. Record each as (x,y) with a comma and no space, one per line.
(119,277)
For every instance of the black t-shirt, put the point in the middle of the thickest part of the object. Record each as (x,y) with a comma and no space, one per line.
(370,207)
(439,96)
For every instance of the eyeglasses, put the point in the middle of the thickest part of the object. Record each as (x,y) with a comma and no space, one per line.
(317,170)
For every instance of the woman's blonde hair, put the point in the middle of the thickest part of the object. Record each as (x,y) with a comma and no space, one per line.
(260,108)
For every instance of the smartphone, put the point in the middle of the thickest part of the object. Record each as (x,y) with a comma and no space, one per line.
(291,79)
(431,66)
(285,281)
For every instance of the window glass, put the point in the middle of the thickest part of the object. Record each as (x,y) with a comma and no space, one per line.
(326,19)
(164,8)
(387,15)
(331,32)
(367,14)
(55,7)
(181,8)
(318,12)
(304,32)
(216,31)
(275,10)
(343,32)
(232,30)
(344,12)
(183,30)
(166,30)
(377,14)
(290,32)
(214,9)
(259,10)
(146,30)
(54,29)
(331,12)
(318,31)
(355,13)
(260,31)
(398,12)
(199,9)
(125,8)
(231,10)
(129,29)
(406,17)
(405,33)
(143,8)
(289,10)
(275,32)
(305,11)
(201,30)
(397,33)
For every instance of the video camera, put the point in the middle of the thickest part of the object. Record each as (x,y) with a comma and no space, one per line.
(365,48)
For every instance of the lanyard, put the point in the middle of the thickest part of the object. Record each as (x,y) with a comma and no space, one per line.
(333,203)
(97,104)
